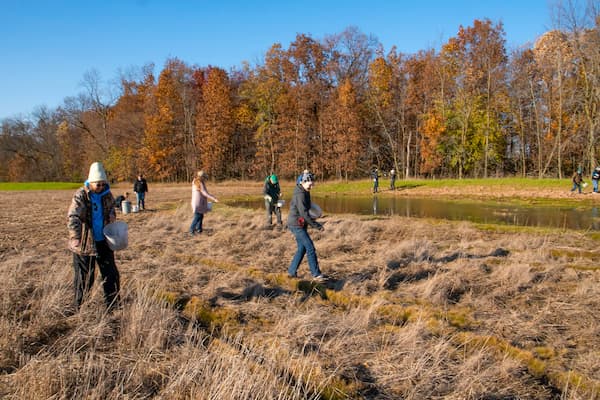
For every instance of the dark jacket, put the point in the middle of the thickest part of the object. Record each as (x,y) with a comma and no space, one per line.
(299,206)
(140,186)
(272,190)
(596,175)
(577,178)
(79,219)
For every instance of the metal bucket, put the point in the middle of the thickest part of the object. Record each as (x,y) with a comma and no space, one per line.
(126,207)
(135,208)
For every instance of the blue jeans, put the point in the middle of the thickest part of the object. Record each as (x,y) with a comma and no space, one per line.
(576,186)
(196,223)
(140,200)
(305,246)
(595,184)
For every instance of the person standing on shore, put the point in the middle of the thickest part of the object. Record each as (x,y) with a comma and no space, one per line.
(92,208)
(595,178)
(140,187)
(200,197)
(577,180)
(375,177)
(392,179)
(298,221)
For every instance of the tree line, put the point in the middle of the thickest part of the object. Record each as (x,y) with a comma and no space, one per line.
(338,106)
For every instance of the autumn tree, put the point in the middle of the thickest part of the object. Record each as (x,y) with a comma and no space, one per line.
(215,123)
(342,126)
(164,120)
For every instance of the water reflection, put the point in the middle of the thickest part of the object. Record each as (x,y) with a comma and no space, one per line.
(568,218)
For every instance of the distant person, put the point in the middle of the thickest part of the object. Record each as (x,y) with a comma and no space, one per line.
(577,180)
(298,221)
(375,177)
(299,179)
(91,209)
(140,187)
(272,193)
(595,178)
(120,199)
(200,197)
(392,179)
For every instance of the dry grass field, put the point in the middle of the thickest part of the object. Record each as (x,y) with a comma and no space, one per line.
(414,309)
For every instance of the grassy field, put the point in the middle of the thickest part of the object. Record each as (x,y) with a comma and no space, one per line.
(414,308)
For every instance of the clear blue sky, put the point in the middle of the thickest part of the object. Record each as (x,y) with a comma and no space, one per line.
(46,46)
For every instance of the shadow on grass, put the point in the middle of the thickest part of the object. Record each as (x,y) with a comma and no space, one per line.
(313,288)
(253,291)
(408,186)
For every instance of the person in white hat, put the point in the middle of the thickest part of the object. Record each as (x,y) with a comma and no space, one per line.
(93,207)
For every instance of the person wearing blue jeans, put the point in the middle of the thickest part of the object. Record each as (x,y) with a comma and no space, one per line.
(595,178)
(200,197)
(140,187)
(298,221)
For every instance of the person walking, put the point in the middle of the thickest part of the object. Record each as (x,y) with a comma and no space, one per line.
(92,208)
(595,178)
(140,187)
(392,179)
(298,221)
(577,180)
(375,177)
(200,197)
(272,192)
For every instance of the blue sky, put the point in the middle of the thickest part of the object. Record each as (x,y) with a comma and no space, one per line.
(46,46)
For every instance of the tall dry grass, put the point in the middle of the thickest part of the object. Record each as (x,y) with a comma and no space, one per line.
(415,309)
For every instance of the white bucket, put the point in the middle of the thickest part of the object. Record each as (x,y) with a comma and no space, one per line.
(280,203)
(135,209)
(126,206)
(315,211)
(116,235)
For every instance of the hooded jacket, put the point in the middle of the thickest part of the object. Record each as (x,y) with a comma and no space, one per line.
(79,218)
(299,206)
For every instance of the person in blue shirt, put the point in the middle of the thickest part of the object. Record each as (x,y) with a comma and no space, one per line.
(91,209)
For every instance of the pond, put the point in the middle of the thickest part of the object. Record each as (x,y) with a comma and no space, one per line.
(479,212)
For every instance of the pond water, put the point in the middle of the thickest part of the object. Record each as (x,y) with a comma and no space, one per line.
(542,216)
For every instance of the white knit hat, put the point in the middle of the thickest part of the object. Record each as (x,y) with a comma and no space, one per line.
(97,173)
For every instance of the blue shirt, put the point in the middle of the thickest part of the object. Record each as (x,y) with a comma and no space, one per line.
(97,213)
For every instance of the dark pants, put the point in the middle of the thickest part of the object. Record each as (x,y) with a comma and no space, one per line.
(84,268)
(305,246)
(141,200)
(271,208)
(197,223)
